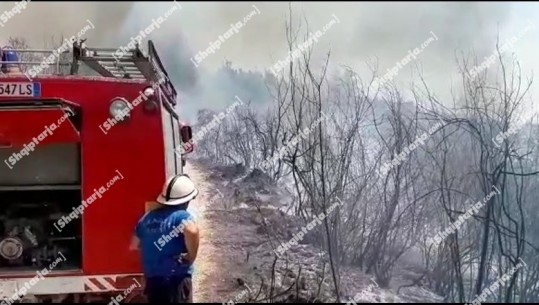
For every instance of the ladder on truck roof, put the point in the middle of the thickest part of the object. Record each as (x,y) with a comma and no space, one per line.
(133,64)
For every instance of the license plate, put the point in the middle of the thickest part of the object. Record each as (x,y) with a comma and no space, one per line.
(20,89)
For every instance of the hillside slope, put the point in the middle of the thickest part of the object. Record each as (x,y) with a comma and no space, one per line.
(242,220)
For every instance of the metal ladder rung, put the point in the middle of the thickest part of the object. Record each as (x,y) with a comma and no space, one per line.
(99,58)
(123,72)
(36,51)
(131,75)
(140,77)
(128,53)
(119,65)
(130,70)
(112,50)
(37,63)
(126,69)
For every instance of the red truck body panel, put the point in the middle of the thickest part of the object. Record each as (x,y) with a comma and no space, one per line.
(133,149)
(15,130)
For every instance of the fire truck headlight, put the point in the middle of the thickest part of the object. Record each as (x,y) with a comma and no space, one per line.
(119,108)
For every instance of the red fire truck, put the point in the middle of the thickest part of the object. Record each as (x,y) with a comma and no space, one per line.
(81,152)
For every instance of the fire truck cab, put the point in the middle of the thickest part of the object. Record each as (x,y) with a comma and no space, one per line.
(80,155)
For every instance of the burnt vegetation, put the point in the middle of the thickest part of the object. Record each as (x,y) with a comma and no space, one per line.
(387,217)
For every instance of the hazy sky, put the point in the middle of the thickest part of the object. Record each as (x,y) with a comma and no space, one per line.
(366,31)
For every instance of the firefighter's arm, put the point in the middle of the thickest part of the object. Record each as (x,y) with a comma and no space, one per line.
(135,240)
(135,243)
(191,234)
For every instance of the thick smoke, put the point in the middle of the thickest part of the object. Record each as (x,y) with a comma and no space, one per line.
(42,21)
(366,31)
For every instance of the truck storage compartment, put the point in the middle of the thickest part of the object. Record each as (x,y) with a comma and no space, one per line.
(35,194)
(39,188)
(30,237)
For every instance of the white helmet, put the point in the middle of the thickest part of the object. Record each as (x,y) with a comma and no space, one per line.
(178,190)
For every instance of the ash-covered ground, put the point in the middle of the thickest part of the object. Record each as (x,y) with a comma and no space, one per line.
(245,218)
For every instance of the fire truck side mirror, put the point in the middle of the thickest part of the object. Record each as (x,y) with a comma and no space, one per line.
(186,133)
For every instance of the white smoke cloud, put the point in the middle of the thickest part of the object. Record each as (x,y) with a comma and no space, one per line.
(41,21)
(385,31)
(366,31)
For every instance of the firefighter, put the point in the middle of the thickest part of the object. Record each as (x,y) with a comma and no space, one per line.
(168,238)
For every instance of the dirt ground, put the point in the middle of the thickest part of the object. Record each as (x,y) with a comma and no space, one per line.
(211,280)
(235,258)
(206,263)
(223,268)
